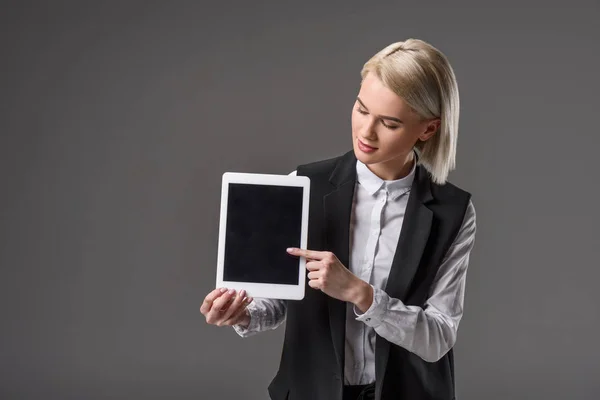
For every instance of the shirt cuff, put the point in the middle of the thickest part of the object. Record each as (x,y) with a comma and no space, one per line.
(374,314)
(252,327)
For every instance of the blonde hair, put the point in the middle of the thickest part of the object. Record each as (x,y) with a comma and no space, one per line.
(423,77)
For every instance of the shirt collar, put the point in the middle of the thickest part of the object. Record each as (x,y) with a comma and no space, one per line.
(372,183)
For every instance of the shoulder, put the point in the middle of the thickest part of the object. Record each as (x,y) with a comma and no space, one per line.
(319,167)
(450,193)
(451,199)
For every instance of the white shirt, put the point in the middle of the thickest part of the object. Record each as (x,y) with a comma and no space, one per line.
(378,209)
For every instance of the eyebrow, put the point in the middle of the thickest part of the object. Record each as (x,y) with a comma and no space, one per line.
(381,116)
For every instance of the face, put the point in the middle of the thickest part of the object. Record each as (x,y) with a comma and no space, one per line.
(385,129)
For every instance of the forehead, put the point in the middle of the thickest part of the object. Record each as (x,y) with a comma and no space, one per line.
(379,99)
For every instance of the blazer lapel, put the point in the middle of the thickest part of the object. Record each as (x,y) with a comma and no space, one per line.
(413,237)
(411,243)
(338,208)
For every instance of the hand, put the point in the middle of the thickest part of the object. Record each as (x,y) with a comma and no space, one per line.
(222,308)
(328,274)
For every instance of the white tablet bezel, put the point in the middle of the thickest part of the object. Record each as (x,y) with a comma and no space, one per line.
(265,290)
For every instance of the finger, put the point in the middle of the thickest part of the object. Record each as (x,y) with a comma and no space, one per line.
(234,305)
(223,301)
(314,283)
(238,314)
(214,314)
(314,275)
(312,254)
(208,300)
(227,303)
(314,265)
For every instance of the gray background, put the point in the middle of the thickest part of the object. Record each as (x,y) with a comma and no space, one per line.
(118,119)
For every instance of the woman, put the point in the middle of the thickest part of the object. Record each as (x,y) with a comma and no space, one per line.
(388,247)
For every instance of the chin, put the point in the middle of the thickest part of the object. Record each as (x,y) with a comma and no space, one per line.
(364,158)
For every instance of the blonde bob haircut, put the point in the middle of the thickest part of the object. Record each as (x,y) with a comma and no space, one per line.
(422,76)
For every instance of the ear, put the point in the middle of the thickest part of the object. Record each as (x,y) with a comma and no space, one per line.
(431,128)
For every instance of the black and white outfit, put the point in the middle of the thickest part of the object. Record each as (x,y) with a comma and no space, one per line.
(410,239)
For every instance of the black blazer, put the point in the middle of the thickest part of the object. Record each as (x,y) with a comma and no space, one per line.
(312,359)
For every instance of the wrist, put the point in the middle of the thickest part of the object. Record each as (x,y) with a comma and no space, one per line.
(244,322)
(363,297)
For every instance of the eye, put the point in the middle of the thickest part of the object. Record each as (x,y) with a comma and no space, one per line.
(389,126)
(392,127)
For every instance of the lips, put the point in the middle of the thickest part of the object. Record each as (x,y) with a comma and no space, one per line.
(365,147)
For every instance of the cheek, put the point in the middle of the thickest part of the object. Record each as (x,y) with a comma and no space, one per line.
(356,122)
(396,140)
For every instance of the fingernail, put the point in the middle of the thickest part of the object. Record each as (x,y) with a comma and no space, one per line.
(231,291)
(242,293)
(290,249)
(223,289)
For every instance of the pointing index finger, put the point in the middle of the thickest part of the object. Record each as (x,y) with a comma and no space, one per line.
(313,255)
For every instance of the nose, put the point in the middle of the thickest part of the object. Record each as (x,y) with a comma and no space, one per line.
(368,130)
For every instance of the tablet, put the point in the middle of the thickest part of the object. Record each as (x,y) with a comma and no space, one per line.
(261,216)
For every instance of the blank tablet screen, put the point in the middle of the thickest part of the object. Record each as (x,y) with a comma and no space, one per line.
(262,222)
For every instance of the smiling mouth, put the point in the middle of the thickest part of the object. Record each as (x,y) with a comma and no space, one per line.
(366,145)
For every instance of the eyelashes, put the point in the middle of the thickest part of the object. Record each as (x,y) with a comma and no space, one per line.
(382,122)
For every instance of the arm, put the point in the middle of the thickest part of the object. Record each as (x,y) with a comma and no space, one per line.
(264,314)
(428,332)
